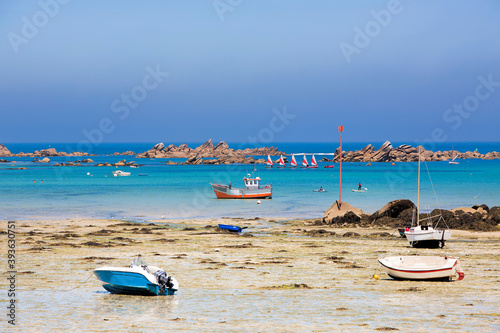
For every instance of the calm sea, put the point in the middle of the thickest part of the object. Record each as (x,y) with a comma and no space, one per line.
(184,191)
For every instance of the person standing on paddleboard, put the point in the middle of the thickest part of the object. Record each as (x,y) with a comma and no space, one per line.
(359,186)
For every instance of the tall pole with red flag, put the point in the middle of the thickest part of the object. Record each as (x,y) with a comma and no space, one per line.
(341,129)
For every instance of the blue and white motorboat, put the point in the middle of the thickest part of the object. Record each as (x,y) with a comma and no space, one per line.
(138,279)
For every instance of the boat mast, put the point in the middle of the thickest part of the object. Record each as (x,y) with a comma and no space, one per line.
(465,157)
(418,189)
(341,129)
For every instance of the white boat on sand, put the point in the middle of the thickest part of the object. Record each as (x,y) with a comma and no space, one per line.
(426,235)
(422,267)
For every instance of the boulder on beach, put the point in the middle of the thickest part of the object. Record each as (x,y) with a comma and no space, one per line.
(393,209)
(342,213)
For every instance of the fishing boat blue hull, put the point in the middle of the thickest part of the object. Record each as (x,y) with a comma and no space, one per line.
(230,227)
(130,283)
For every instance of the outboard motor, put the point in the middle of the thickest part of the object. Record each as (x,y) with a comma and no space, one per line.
(164,281)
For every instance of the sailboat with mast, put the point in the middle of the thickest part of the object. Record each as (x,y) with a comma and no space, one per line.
(293,163)
(281,163)
(313,165)
(305,164)
(454,158)
(269,162)
(426,236)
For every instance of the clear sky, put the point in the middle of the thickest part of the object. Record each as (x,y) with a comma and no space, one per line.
(239,70)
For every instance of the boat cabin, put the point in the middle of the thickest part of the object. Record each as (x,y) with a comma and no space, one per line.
(251,183)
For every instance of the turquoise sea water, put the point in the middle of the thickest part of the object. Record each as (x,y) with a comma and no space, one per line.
(184,191)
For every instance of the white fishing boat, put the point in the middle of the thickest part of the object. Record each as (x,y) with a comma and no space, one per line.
(305,164)
(313,165)
(427,236)
(422,267)
(137,279)
(269,162)
(293,163)
(252,189)
(281,163)
(120,173)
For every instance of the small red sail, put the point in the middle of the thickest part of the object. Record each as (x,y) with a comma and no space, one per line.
(282,161)
(269,161)
(304,162)
(313,162)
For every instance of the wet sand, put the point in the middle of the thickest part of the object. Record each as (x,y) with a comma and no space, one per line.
(275,276)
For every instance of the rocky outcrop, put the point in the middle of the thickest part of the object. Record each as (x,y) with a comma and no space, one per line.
(221,151)
(51,152)
(118,164)
(491,156)
(399,213)
(477,217)
(342,213)
(128,152)
(107,164)
(43,160)
(404,153)
(4,151)
(393,209)
(238,159)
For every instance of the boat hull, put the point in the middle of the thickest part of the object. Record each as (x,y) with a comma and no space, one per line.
(427,238)
(422,267)
(130,281)
(224,192)
(229,227)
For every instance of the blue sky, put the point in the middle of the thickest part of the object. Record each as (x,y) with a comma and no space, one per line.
(270,71)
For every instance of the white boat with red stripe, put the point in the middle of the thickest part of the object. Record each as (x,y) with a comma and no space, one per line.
(422,267)
(252,189)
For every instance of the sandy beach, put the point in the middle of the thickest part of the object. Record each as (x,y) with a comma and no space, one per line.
(278,275)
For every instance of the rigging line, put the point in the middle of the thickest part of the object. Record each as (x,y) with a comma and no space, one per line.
(432,185)
(435,196)
(81,283)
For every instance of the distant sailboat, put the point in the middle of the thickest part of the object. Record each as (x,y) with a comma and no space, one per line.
(454,158)
(281,163)
(313,165)
(305,164)
(269,162)
(293,164)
